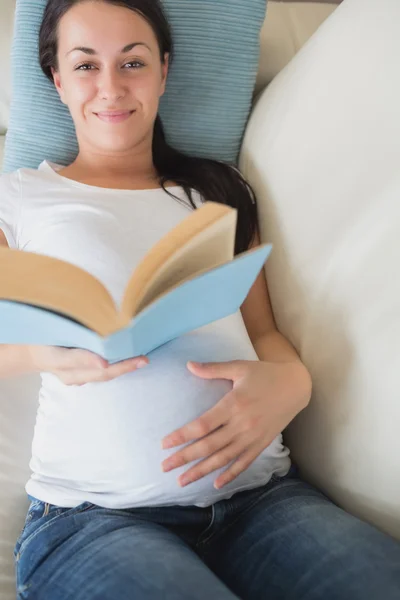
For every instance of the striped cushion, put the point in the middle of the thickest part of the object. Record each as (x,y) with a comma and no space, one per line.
(208,97)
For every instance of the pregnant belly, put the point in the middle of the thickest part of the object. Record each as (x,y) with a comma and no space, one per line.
(104,440)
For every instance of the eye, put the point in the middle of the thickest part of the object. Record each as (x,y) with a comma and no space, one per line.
(84,67)
(134,64)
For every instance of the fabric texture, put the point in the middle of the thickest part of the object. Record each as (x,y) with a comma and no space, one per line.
(284,540)
(322,150)
(208,97)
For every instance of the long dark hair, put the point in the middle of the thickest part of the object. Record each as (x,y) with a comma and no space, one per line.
(214,180)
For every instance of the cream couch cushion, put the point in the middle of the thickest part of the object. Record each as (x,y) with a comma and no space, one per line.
(322,150)
(2,138)
(7,8)
(19,402)
(286,29)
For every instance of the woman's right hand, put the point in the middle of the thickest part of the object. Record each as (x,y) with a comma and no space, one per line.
(74,366)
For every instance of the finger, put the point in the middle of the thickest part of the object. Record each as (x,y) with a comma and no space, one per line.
(232,369)
(81,377)
(84,376)
(212,463)
(83,359)
(72,358)
(200,449)
(241,464)
(205,424)
(126,366)
(71,378)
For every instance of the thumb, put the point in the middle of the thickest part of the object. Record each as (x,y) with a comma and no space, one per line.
(217,370)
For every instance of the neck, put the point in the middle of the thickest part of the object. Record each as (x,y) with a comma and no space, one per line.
(132,165)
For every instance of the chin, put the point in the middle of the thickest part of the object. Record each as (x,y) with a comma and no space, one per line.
(116,146)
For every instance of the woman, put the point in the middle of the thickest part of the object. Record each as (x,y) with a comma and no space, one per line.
(170,481)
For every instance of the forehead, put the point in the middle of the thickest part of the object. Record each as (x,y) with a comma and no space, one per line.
(94,23)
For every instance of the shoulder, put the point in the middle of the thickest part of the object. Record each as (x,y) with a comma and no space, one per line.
(10,184)
(14,182)
(10,193)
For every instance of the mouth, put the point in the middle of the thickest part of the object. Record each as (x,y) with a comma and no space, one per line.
(114,116)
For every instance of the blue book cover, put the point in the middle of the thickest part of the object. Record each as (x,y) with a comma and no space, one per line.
(207,297)
(189,279)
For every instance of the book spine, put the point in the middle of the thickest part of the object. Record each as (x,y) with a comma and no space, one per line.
(118,346)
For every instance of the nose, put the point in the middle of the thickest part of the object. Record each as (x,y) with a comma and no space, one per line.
(110,85)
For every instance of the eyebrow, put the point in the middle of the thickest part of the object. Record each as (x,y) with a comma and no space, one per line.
(93,52)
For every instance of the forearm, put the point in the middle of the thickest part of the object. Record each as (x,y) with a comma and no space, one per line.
(273,347)
(15,360)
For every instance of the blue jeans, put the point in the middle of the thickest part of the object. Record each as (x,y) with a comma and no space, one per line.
(281,541)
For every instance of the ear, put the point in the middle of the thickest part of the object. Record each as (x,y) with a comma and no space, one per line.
(58,84)
(164,73)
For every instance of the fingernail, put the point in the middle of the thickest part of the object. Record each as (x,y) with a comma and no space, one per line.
(195,364)
(141,363)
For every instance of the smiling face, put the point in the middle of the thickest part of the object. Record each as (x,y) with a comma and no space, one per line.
(110,75)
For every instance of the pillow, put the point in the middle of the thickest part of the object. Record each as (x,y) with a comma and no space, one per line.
(322,151)
(208,96)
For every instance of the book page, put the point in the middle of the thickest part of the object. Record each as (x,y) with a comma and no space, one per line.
(200,242)
(59,286)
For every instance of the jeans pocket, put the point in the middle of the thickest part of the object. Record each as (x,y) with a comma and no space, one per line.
(35,512)
(40,516)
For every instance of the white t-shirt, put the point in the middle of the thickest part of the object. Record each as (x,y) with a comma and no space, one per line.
(101,442)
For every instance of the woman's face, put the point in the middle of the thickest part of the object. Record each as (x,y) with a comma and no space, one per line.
(109,75)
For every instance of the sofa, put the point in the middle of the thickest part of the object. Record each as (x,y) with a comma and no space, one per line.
(321,438)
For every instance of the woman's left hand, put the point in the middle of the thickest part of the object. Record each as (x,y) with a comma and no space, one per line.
(264,399)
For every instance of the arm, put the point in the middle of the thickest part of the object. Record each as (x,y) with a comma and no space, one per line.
(269,344)
(266,396)
(14,359)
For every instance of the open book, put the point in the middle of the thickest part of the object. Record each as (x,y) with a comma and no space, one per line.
(188,279)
